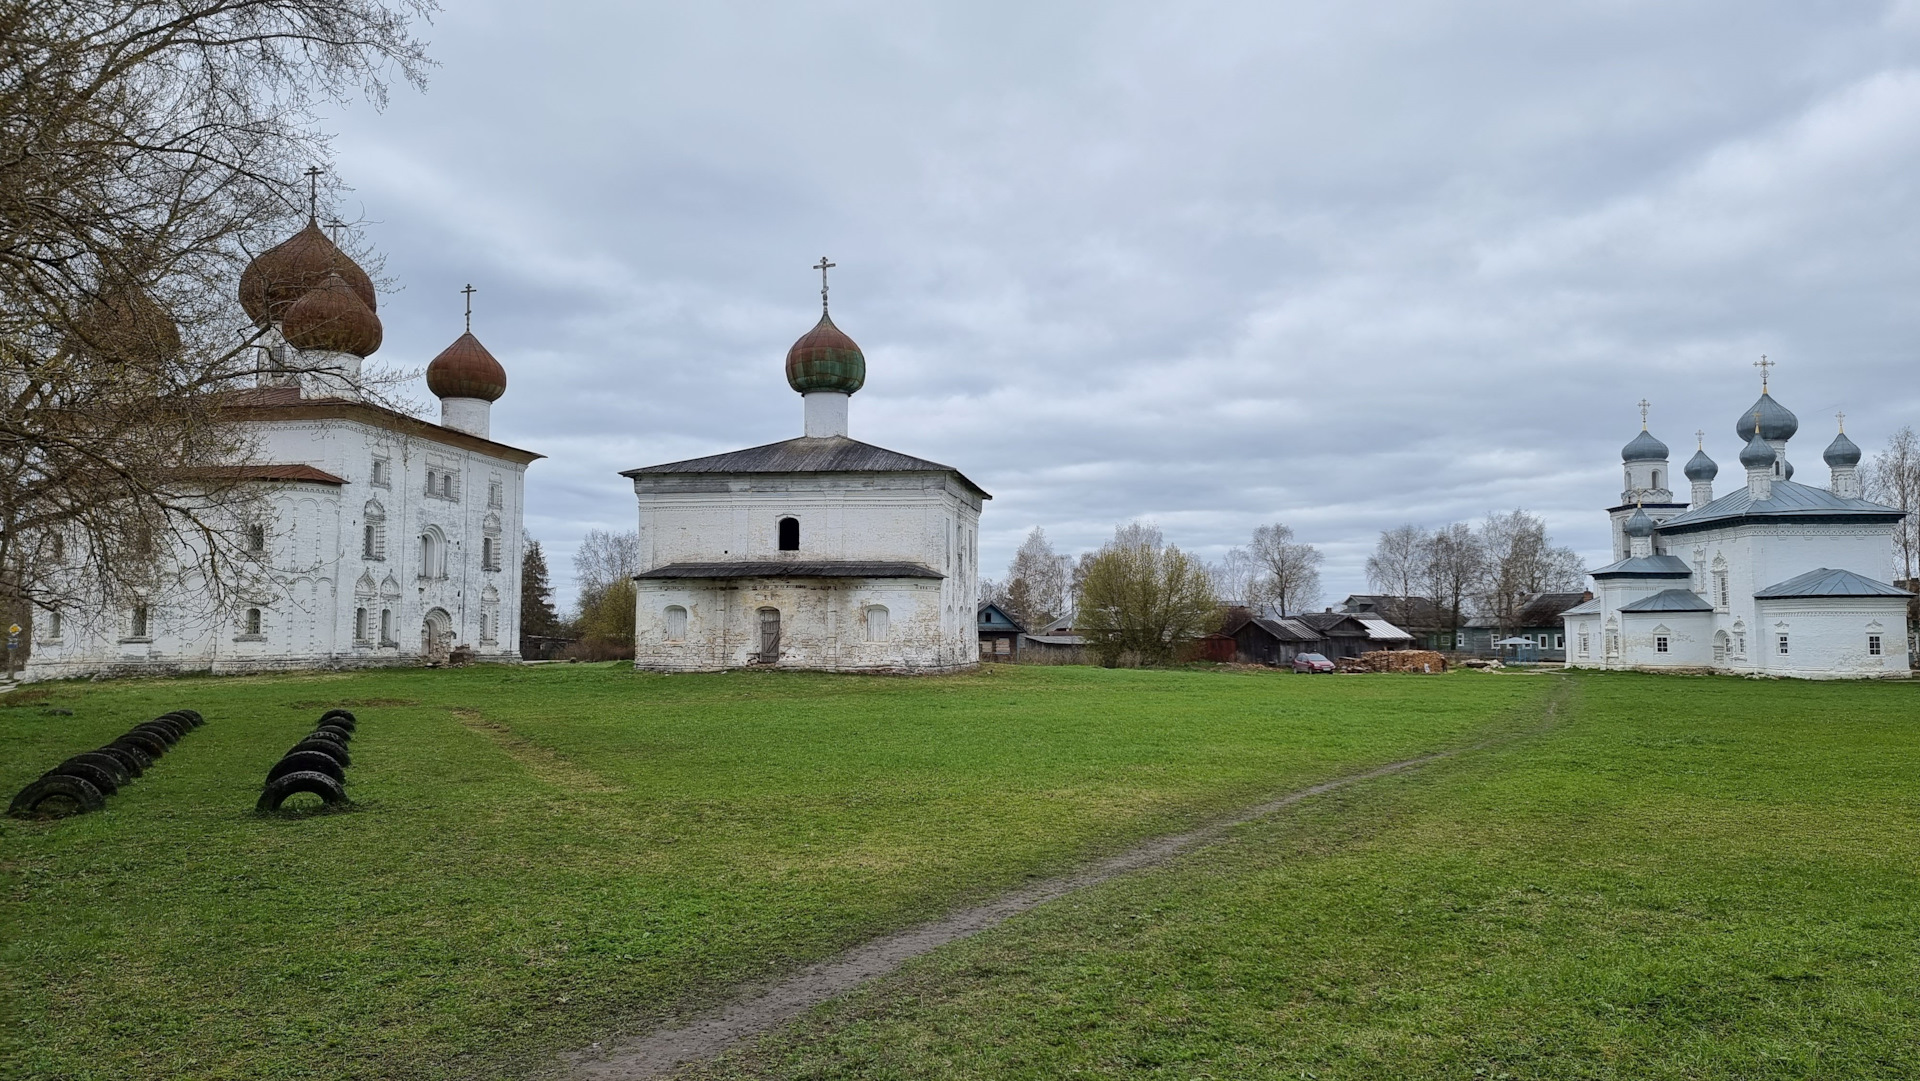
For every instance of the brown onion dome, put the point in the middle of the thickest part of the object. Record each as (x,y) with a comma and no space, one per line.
(125,324)
(466,370)
(331,317)
(826,359)
(284,273)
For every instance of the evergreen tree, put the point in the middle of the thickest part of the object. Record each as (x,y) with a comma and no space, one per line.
(537,616)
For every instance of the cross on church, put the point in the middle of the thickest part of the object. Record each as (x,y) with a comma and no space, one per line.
(823,266)
(336,225)
(469,291)
(1842,418)
(1700,437)
(313,193)
(1763,364)
(1644,406)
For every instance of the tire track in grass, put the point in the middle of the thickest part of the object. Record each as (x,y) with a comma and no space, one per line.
(543,763)
(709,1034)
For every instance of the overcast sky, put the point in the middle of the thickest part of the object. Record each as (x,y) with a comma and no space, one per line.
(1342,265)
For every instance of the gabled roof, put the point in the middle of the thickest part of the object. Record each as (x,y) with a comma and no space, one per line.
(1790,499)
(1826,582)
(1281,630)
(793,568)
(1380,630)
(832,454)
(1545,609)
(1584,608)
(286,403)
(1669,600)
(1645,567)
(1004,616)
(1325,623)
(1410,611)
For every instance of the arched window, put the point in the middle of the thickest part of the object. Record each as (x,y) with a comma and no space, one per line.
(360,627)
(676,623)
(433,554)
(789,534)
(253,621)
(53,623)
(489,558)
(386,626)
(373,535)
(876,623)
(1656,478)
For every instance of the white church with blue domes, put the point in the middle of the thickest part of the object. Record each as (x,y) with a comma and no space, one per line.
(1774,577)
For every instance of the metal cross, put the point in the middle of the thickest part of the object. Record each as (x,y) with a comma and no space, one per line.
(1842,418)
(313,192)
(1644,406)
(336,225)
(469,291)
(823,266)
(1700,437)
(1763,364)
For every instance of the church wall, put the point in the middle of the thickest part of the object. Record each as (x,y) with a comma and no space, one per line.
(1828,637)
(824,624)
(1689,638)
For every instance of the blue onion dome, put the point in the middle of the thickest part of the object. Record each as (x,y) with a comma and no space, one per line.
(1639,525)
(1701,467)
(1788,474)
(1776,420)
(1644,448)
(1841,453)
(1756,454)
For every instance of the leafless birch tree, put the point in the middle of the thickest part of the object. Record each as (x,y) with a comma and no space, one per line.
(1893,478)
(1290,569)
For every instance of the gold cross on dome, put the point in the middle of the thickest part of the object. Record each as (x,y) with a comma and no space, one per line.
(1644,406)
(1842,418)
(1764,364)
(823,266)
(1700,437)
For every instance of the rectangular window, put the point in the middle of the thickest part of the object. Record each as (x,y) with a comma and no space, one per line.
(1873,645)
(139,621)
(1584,643)
(53,623)
(256,538)
(1719,589)
(360,624)
(489,554)
(1659,643)
(1739,645)
(495,494)
(386,627)
(380,472)
(1783,645)
(1559,641)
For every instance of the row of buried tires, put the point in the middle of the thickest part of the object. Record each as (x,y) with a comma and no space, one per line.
(83,783)
(316,765)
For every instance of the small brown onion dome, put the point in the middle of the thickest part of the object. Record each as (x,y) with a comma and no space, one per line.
(826,359)
(332,317)
(466,370)
(284,273)
(127,325)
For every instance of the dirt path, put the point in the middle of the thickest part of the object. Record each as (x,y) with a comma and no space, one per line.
(761,1010)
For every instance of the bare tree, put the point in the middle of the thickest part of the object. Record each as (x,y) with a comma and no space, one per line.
(1893,478)
(1037,582)
(1236,578)
(1455,564)
(1520,559)
(147,149)
(1290,569)
(1144,598)
(605,557)
(1398,566)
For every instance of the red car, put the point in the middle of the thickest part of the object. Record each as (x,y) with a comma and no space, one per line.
(1311,662)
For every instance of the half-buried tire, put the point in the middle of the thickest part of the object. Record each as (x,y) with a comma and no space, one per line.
(191,716)
(280,789)
(333,734)
(345,736)
(98,776)
(313,761)
(166,733)
(327,747)
(57,795)
(177,725)
(350,721)
(133,764)
(153,745)
(105,763)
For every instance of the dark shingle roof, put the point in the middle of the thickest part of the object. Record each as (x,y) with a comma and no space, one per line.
(1790,500)
(1545,609)
(1645,567)
(1669,600)
(784,568)
(1825,582)
(833,454)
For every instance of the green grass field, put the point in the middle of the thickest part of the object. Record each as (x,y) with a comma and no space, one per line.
(1683,878)
(543,857)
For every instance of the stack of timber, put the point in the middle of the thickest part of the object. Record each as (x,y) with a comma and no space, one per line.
(1395,660)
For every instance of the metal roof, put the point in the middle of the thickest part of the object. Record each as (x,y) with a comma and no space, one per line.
(784,568)
(1825,582)
(832,454)
(1669,600)
(1645,567)
(1584,608)
(1790,499)
(1381,631)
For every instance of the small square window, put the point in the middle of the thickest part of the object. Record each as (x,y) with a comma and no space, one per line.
(1659,643)
(1873,645)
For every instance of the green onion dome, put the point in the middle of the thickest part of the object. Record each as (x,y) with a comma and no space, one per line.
(826,359)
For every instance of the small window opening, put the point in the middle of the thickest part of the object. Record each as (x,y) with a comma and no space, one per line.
(139,621)
(1656,478)
(253,621)
(366,542)
(53,623)
(676,623)
(1659,643)
(487,561)
(1873,645)
(789,534)
(59,548)
(386,626)
(1783,645)
(876,624)
(256,538)
(360,624)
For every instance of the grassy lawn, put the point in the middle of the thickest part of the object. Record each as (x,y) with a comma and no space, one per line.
(1685,878)
(542,857)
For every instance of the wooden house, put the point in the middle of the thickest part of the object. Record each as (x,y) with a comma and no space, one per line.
(1000,633)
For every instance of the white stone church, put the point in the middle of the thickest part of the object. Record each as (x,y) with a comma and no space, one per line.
(1775,577)
(816,552)
(382,538)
